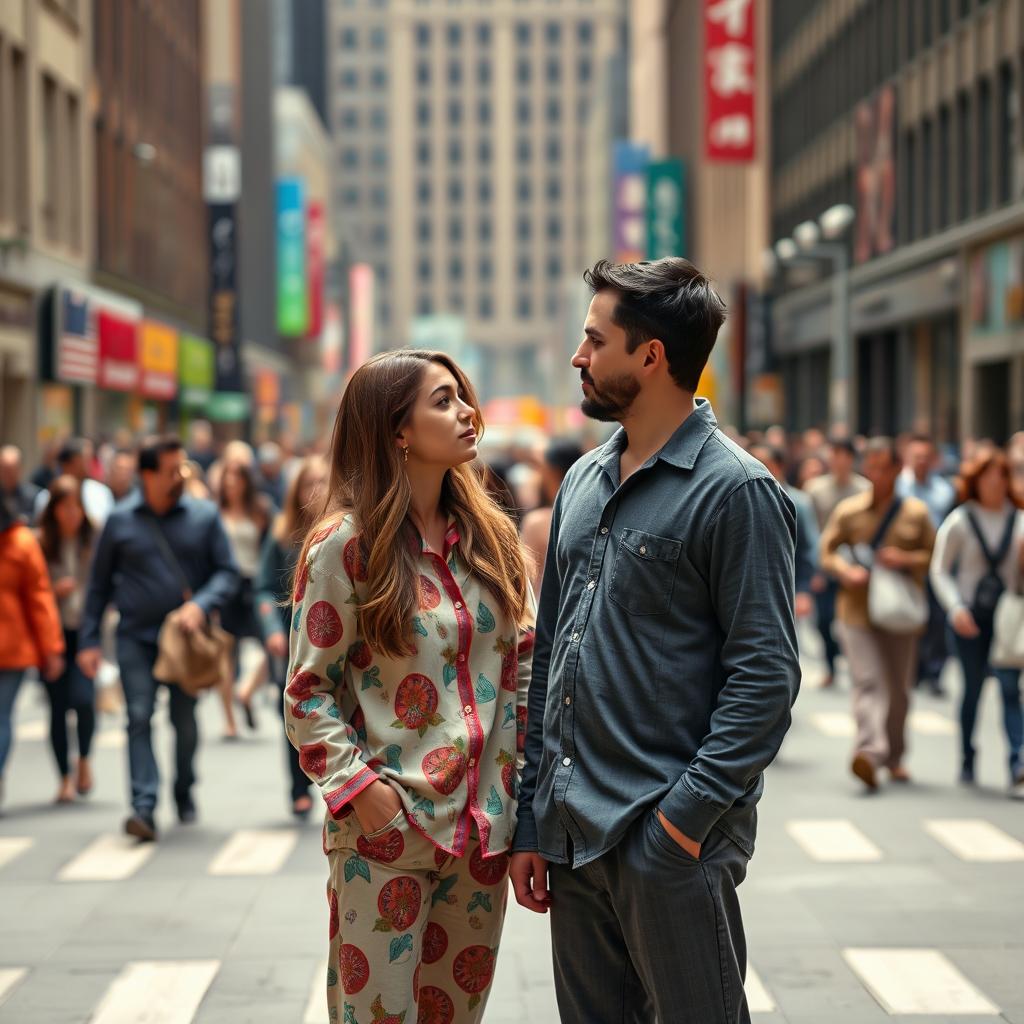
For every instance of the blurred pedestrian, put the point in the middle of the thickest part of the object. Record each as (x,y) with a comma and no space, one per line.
(270,476)
(75,459)
(159,552)
(46,471)
(245,515)
(279,557)
(66,537)
(201,448)
(195,481)
(806,552)
(826,492)
(666,667)
(877,528)
(19,493)
(121,473)
(558,458)
(30,633)
(978,555)
(921,479)
(410,659)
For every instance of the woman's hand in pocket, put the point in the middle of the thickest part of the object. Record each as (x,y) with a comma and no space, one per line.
(376,806)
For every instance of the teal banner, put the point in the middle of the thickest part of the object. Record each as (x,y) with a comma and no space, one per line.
(666,209)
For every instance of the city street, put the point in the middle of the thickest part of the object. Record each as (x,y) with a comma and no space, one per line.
(858,908)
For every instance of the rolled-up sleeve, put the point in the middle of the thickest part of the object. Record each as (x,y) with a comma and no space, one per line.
(750,543)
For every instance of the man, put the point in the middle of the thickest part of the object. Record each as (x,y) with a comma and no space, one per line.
(121,473)
(664,672)
(825,493)
(201,449)
(881,663)
(131,570)
(920,479)
(806,527)
(18,495)
(270,480)
(73,459)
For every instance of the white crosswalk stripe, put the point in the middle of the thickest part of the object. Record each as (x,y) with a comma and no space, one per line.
(758,998)
(317,1005)
(254,852)
(13,846)
(931,723)
(111,739)
(918,981)
(841,724)
(9,978)
(837,724)
(32,731)
(975,839)
(109,858)
(833,841)
(157,992)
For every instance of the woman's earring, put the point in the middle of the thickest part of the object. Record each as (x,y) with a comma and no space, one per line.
(405,454)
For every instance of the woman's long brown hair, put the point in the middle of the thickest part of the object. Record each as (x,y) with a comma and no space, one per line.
(50,540)
(368,481)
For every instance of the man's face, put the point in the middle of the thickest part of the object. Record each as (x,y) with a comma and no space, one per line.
(921,458)
(840,461)
(608,372)
(122,474)
(10,470)
(881,470)
(165,485)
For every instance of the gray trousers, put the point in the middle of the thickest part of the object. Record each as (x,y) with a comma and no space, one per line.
(646,933)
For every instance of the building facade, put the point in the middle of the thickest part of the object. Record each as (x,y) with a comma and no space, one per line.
(46,222)
(909,113)
(460,156)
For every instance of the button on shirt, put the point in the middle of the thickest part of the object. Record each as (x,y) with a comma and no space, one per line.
(670,681)
(444,726)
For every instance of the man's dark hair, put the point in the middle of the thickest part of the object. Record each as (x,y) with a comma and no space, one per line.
(884,444)
(921,439)
(843,442)
(72,448)
(670,300)
(153,447)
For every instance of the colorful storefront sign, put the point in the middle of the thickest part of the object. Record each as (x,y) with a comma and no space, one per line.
(361,288)
(997,286)
(158,360)
(316,239)
(119,362)
(629,202)
(666,209)
(730,77)
(292,288)
(76,357)
(196,370)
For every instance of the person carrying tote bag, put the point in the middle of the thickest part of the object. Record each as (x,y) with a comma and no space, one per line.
(976,575)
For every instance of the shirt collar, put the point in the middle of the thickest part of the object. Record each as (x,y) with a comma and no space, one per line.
(451,538)
(137,503)
(681,449)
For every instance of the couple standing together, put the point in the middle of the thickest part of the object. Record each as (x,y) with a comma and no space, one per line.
(605,749)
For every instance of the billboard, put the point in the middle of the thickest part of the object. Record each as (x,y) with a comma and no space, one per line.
(629,201)
(316,228)
(666,209)
(730,77)
(875,126)
(292,288)
(361,304)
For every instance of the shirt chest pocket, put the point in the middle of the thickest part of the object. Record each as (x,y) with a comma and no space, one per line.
(644,572)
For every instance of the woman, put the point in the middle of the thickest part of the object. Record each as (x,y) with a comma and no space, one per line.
(410,657)
(967,583)
(559,457)
(30,633)
(66,537)
(246,516)
(273,591)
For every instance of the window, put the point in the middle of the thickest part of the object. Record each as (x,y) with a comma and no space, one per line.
(485,229)
(927,195)
(1007,131)
(554,150)
(422,35)
(553,33)
(455,230)
(484,151)
(524,151)
(423,73)
(379,234)
(586,69)
(424,306)
(554,70)
(943,165)
(523,33)
(350,157)
(483,34)
(553,304)
(424,191)
(483,112)
(379,78)
(454,112)
(349,118)
(524,229)
(554,189)
(455,268)
(524,269)
(964,144)
(484,190)
(945,16)
(349,78)
(486,269)
(454,34)
(984,144)
(455,191)
(423,113)
(349,39)
(554,111)
(554,228)
(585,33)
(423,152)
(424,230)
(379,197)
(378,119)
(554,267)
(523,110)
(910,195)
(524,307)
(485,307)
(483,72)
(523,190)
(424,271)
(349,196)
(379,158)
(455,151)
(523,71)
(51,159)
(378,38)
(74,180)
(455,303)
(454,73)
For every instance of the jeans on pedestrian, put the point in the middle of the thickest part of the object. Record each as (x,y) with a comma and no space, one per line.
(10,681)
(825,603)
(300,783)
(73,691)
(974,653)
(136,660)
(648,933)
(932,650)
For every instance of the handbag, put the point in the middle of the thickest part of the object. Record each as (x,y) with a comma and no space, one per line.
(197,660)
(1008,632)
(896,603)
(990,587)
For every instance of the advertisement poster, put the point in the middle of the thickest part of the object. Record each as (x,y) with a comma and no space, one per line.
(730,78)
(292,287)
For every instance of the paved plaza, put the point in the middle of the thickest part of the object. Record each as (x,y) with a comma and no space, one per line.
(859,909)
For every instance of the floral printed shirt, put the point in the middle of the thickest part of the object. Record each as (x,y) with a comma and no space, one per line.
(444,726)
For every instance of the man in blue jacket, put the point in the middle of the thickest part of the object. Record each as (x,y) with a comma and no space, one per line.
(132,570)
(664,671)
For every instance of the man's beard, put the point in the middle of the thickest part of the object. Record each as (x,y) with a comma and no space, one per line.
(175,493)
(612,402)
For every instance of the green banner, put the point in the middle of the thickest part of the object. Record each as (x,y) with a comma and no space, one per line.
(228,407)
(196,370)
(666,209)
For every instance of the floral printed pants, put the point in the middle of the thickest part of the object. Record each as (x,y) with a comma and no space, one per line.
(414,931)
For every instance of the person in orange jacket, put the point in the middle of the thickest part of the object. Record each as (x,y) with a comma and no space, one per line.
(30,629)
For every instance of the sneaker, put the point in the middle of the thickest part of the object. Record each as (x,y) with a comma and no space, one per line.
(899,774)
(864,769)
(142,827)
(186,811)
(1017,786)
(967,776)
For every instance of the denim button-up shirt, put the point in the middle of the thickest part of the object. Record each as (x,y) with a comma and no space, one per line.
(666,662)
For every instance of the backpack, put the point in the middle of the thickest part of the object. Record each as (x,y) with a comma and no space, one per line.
(991,585)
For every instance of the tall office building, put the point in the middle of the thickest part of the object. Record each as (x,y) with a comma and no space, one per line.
(460,155)
(910,113)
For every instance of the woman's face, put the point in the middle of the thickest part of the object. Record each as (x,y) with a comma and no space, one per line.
(440,430)
(231,483)
(69,515)
(992,486)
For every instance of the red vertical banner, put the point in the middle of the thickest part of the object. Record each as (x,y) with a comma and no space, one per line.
(730,77)
(315,266)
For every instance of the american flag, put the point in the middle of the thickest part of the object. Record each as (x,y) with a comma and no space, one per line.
(77,349)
